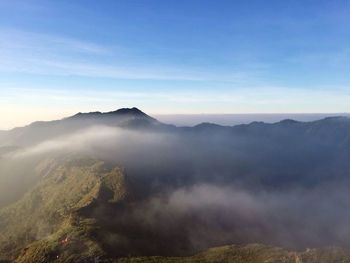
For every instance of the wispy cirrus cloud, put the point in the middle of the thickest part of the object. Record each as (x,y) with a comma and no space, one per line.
(38,53)
(21,41)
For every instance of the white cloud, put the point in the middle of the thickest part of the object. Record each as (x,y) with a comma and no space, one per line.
(35,53)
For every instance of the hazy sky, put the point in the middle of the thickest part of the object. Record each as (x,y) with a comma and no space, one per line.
(172,56)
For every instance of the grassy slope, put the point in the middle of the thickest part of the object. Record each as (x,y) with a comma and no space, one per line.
(47,215)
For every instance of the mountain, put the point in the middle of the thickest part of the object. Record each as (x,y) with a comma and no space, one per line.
(115,184)
(54,228)
(335,128)
(62,225)
(39,131)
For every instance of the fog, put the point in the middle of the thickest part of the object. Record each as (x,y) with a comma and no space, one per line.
(194,189)
(207,215)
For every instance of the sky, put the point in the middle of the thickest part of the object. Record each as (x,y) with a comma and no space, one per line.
(172,56)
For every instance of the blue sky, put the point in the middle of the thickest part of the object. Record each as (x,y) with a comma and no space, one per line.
(172,56)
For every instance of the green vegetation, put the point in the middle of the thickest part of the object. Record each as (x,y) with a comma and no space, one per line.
(45,225)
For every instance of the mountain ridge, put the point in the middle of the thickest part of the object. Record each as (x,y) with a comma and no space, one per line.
(187,188)
(134,111)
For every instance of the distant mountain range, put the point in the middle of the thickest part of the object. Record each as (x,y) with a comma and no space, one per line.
(124,187)
(241,118)
(133,118)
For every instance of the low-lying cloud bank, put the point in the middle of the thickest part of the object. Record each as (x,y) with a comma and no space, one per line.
(201,216)
(202,190)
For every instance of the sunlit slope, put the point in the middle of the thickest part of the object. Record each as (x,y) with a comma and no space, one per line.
(46,221)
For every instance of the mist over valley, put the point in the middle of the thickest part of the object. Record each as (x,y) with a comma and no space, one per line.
(143,188)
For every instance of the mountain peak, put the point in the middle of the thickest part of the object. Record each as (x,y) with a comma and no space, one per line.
(128,111)
(81,114)
(123,112)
